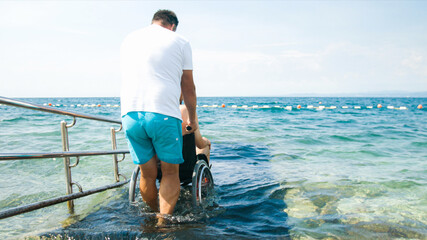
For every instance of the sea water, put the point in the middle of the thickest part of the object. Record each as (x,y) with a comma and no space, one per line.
(337,168)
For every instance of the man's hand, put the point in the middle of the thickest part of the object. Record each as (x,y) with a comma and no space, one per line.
(191,126)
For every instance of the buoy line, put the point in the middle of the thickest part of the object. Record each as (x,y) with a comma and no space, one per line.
(234,106)
(80,105)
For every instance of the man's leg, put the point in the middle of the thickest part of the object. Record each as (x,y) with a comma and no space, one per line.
(169,187)
(147,184)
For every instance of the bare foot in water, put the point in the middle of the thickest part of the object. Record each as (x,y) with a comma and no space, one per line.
(162,220)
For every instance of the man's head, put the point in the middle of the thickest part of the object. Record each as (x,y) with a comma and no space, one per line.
(166,18)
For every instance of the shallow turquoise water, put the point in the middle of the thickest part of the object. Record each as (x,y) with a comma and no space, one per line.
(340,173)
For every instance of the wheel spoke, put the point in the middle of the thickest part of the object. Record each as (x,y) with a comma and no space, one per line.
(200,183)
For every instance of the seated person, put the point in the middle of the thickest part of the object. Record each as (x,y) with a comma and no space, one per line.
(194,148)
(203,145)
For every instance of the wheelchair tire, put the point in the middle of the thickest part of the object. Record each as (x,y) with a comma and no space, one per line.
(132,185)
(202,183)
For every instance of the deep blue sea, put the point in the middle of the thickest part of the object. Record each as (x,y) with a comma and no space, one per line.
(338,168)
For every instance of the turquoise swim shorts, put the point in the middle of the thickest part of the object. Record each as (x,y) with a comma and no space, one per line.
(150,133)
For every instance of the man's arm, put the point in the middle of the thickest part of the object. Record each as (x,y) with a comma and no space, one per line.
(190,99)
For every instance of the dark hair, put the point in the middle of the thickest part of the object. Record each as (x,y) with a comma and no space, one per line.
(167,17)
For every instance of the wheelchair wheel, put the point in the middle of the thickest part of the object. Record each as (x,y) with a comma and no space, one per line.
(132,185)
(202,183)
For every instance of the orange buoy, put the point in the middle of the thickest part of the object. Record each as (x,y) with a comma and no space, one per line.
(99,105)
(379,106)
(223,105)
(50,104)
(299,106)
(420,106)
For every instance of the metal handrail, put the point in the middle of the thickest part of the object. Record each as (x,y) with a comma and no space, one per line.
(66,154)
(22,156)
(23,104)
(46,203)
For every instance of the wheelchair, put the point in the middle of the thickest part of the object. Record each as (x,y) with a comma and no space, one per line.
(194,172)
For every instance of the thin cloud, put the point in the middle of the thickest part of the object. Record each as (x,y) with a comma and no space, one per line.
(269,45)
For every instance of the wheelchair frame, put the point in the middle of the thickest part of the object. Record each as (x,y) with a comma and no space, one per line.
(202,183)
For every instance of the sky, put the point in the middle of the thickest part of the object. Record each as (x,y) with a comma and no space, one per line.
(240,48)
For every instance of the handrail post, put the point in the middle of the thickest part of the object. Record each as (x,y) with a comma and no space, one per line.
(115,160)
(65,148)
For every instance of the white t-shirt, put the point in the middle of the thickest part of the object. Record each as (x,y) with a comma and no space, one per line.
(152,61)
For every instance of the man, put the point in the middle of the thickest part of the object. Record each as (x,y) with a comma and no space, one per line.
(156,67)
